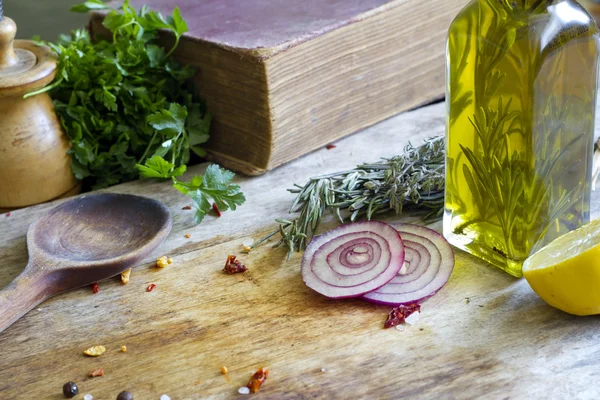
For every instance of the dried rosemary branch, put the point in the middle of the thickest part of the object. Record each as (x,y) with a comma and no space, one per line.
(413,180)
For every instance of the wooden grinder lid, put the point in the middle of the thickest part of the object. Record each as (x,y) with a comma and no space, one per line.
(24,65)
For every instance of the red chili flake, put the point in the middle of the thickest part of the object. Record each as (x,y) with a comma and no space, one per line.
(95,288)
(216,210)
(187,208)
(96,372)
(7,214)
(257,380)
(150,287)
(233,266)
(330,146)
(399,314)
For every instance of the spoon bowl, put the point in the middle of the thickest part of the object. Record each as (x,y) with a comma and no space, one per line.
(82,241)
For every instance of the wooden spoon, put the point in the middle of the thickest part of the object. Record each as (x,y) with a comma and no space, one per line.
(82,241)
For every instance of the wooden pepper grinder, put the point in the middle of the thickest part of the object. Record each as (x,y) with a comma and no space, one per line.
(34,164)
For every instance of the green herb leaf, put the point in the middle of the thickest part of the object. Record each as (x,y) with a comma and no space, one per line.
(115,20)
(170,122)
(156,55)
(128,108)
(158,167)
(89,5)
(200,204)
(178,23)
(153,21)
(216,184)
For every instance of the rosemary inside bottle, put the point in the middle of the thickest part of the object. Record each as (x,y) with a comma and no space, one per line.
(521,92)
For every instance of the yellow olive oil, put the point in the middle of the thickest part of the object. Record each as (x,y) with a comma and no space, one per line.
(521,94)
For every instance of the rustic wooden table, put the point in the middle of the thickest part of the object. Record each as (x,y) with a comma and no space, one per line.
(503,343)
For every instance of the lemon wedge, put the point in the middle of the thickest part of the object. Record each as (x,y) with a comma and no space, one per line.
(566,272)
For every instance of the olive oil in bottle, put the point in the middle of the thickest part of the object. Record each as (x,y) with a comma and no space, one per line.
(521,93)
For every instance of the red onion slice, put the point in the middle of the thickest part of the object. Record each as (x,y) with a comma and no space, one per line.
(431,261)
(353,259)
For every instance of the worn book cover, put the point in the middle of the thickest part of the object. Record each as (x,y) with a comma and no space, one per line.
(284,77)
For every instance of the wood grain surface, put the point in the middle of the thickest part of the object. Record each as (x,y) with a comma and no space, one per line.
(484,335)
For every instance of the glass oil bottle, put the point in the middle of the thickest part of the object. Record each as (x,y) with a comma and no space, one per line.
(521,94)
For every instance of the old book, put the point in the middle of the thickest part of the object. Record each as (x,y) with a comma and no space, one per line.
(284,77)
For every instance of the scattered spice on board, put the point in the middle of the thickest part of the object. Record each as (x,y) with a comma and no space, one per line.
(248,245)
(257,380)
(163,261)
(125,395)
(187,236)
(223,370)
(233,266)
(95,351)
(97,372)
(123,349)
(150,287)
(125,276)
(399,314)
(413,318)
(187,208)
(330,146)
(244,390)
(214,206)
(95,288)
(70,390)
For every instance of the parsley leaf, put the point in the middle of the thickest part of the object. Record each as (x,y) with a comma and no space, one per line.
(129,108)
(216,184)
(169,122)
(89,6)
(178,23)
(125,89)
(158,167)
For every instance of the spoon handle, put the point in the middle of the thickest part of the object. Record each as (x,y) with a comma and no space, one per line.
(25,292)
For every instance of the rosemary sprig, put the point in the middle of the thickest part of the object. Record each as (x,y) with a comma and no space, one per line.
(413,180)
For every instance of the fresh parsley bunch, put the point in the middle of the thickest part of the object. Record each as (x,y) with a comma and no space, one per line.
(216,184)
(130,109)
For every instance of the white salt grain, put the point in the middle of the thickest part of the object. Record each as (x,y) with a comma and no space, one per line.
(400,328)
(413,318)
(88,397)
(248,242)
(165,397)
(244,390)
(323,370)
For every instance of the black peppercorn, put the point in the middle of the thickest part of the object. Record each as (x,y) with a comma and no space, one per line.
(70,389)
(125,396)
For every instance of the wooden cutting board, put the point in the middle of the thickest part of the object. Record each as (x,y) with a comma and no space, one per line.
(484,335)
